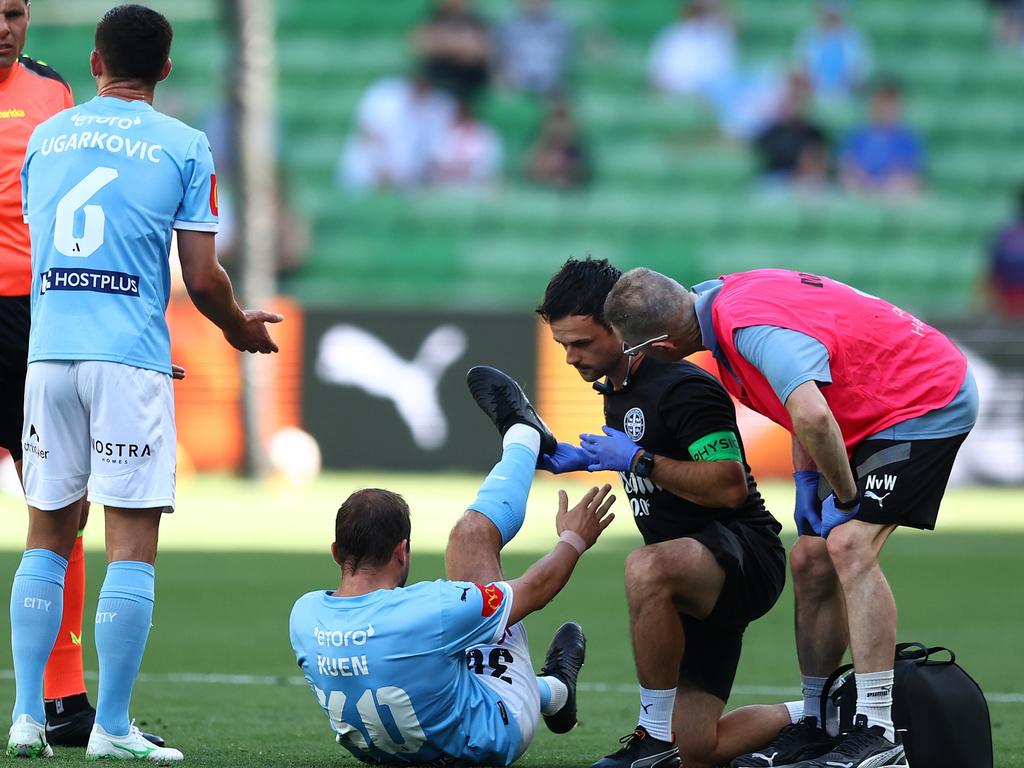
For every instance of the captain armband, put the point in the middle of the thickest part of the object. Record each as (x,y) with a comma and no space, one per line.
(718,446)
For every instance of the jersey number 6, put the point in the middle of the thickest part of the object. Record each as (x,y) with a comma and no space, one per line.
(64,239)
(396,700)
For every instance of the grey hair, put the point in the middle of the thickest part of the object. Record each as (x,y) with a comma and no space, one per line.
(644,304)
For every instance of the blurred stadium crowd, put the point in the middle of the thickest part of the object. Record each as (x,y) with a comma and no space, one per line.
(820,120)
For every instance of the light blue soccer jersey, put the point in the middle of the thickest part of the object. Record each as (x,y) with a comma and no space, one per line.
(389,669)
(103,185)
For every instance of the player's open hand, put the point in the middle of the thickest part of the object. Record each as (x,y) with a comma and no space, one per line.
(251,334)
(589,518)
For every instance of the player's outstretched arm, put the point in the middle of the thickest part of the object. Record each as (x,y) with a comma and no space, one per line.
(578,528)
(209,287)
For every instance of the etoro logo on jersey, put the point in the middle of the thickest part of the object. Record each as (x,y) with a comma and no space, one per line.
(633,424)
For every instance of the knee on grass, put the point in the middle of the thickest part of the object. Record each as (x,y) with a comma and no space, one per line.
(699,751)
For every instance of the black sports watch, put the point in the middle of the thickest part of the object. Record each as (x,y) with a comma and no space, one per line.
(845,505)
(644,465)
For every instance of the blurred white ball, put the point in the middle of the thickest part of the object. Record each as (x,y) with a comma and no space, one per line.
(295,455)
(9,482)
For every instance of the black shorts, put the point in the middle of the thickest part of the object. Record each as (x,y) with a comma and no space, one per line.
(14,325)
(754,561)
(903,481)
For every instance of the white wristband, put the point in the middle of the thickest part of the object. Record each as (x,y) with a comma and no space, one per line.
(574,540)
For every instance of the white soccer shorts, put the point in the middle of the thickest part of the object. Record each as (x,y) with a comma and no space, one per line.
(99,426)
(517,684)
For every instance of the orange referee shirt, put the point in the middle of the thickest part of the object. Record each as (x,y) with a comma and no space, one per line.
(31,94)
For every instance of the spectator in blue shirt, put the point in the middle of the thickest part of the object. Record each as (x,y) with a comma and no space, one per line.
(885,156)
(1006,266)
(834,55)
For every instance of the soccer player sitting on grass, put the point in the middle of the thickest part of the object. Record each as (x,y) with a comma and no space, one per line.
(439,672)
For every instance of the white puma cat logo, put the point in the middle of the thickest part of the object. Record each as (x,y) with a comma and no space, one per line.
(350,356)
(879,499)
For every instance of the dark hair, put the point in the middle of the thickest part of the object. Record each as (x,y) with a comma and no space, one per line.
(369,525)
(888,86)
(579,288)
(134,42)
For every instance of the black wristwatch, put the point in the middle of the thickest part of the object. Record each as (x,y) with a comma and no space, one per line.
(644,465)
(844,505)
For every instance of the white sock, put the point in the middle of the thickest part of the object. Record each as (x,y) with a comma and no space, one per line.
(796,710)
(522,434)
(874,700)
(559,695)
(812,690)
(656,712)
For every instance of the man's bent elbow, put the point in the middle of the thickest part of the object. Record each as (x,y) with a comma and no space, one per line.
(734,486)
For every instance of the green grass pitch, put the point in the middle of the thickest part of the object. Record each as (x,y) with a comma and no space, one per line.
(219,680)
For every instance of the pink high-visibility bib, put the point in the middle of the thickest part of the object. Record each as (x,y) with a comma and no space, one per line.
(887,366)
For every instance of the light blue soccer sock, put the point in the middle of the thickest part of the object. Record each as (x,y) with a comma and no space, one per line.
(123,617)
(37,606)
(502,497)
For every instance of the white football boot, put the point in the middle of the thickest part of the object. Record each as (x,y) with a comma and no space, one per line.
(105,746)
(28,739)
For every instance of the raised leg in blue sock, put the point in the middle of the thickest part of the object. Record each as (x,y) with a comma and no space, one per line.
(502,497)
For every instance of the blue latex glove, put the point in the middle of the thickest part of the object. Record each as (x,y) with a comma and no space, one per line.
(614,451)
(807,512)
(566,458)
(831,516)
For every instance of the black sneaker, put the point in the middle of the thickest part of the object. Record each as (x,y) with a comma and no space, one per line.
(642,751)
(69,722)
(803,740)
(563,660)
(863,746)
(505,403)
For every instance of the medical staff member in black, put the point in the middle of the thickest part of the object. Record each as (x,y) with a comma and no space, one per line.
(712,561)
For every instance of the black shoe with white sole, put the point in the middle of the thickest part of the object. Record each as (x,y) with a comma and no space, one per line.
(563,661)
(803,740)
(69,722)
(505,403)
(642,750)
(863,746)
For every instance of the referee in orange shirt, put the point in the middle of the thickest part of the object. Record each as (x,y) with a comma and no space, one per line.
(30,93)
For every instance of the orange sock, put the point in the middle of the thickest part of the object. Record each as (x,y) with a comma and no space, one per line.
(64,675)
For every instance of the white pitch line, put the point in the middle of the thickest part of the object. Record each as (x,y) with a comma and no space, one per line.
(213,678)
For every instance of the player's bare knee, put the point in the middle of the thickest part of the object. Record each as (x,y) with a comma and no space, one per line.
(644,573)
(811,566)
(852,554)
(473,530)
